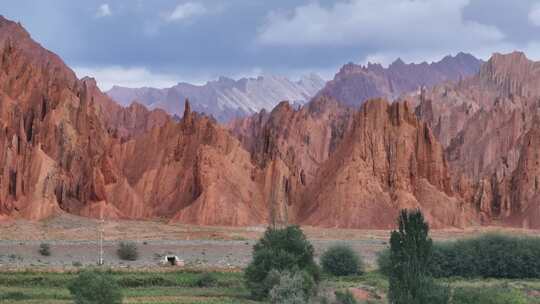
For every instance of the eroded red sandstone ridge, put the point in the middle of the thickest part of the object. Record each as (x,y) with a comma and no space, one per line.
(488,125)
(388,161)
(66,147)
(336,167)
(465,153)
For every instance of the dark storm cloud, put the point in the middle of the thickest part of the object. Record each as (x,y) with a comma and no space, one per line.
(161,42)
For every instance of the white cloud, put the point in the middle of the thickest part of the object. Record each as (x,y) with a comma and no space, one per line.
(104,10)
(186,11)
(534,15)
(132,77)
(426,27)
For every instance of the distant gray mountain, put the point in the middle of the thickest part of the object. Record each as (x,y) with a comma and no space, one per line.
(354,84)
(224,98)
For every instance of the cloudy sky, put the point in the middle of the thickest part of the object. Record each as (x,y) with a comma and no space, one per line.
(161,42)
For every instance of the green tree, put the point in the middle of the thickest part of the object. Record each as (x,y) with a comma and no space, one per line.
(279,249)
(94,287)
(341,260)
(292,288)
(410,253)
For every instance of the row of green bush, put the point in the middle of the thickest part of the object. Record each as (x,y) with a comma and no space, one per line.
(99,287)
(487,256)
(126,279)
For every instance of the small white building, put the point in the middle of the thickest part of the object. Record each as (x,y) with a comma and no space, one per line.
(172,260)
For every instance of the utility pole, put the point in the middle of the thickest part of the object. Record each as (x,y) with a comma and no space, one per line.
(101,222)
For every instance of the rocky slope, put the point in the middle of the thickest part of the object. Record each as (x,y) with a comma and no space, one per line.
(288,146)
(354,84)
(51,138)
(224,98)
(487,124)
(343,168)
(387,161)
(66,147)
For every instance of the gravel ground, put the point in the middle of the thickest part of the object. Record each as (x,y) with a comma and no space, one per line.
(220,254)
(73,239)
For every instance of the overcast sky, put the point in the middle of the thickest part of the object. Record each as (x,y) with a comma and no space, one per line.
(159,43)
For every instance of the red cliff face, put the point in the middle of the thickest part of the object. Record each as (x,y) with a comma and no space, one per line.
(51,139)
(66,147)
(193,171)
(288,146)
(387,161)
(524,186)
(487,126)
(328,165)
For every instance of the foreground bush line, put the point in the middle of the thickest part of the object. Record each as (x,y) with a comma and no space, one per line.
(127,279)
(478,291)
(486,256)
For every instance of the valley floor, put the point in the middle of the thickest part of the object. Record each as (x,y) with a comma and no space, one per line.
(74,241)
(28,277)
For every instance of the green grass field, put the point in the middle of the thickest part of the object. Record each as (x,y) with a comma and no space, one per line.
(138,287)
(180,287)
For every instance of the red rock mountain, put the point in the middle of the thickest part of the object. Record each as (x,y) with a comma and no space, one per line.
(388,161)
(488,125)
(354,84)
(464,153)
(66,147)
(344,168)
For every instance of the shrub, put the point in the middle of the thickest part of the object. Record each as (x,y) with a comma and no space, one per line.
(487,295)
(206,280)
(92,287)
(341,260)
(279,249)
(345,297)
(45,249)
(292,288)
(128,251)
(76,264)
(488,256)
(410,253)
